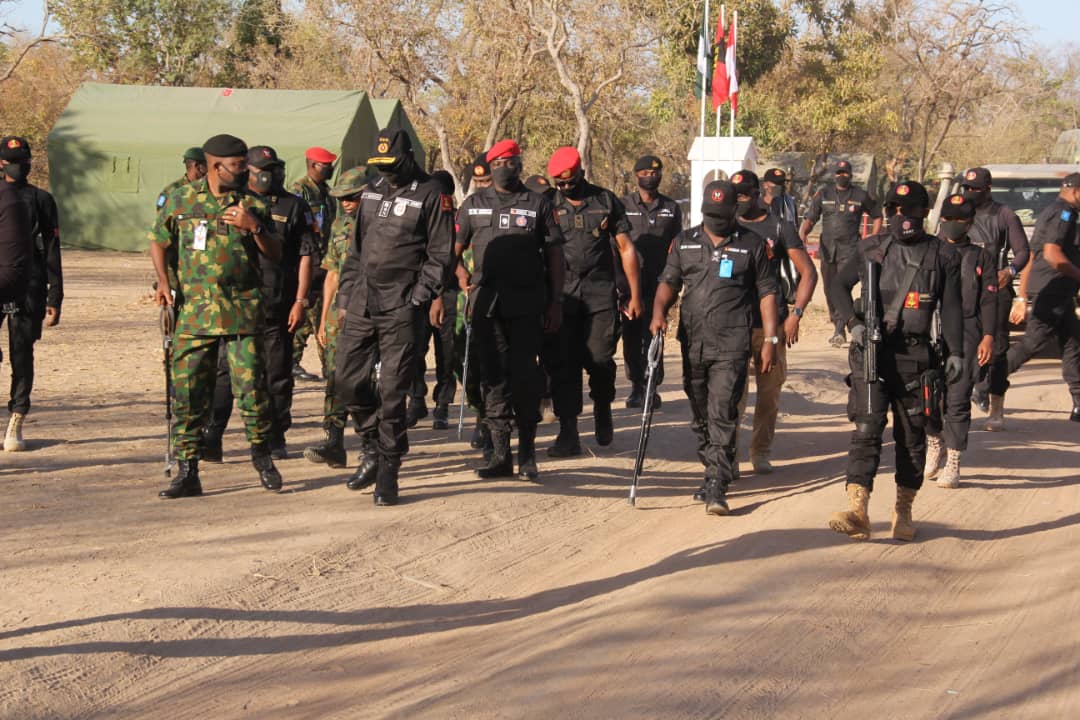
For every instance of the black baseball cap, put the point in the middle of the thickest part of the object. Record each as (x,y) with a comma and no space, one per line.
(744,182)
(719,199)
(908,196)
(264,156)
(391,146)
(843,167)
(977,178)
(14,148)
(956,207)
(1071,180)
(775,175)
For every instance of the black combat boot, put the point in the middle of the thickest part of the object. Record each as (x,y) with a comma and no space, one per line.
(441,417)
(264,463)
(386,482)
(699,494)
(478,434)
(716,498)
(981,398)
(364,477)
(278,451)
(185,483)
(567,443)
(501,463)
(637,397)
(332,450)
(605,427)
(211,445)
(527,454)
(417,411)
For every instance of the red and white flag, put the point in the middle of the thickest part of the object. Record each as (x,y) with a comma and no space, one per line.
(729,69)
(725,83)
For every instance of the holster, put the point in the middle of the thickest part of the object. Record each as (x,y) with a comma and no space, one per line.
(933,392)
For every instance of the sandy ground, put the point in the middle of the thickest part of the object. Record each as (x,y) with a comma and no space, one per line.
(507,600)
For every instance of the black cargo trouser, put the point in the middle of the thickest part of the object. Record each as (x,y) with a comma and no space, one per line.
(24,329)
(994,377)
(636,340)
(507,351)
(378,405)
(714,385)
(900,389)
(278,347)
(1052,319)
(954,422)
(445,377)
(829,271)
(586,341)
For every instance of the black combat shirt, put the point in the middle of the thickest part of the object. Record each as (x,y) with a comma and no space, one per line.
(652,228)
(292,220)
(779,237)
(589,229)
(841,214)
(1056,225)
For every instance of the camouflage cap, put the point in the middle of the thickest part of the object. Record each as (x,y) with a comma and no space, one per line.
(195,154)
(351,182)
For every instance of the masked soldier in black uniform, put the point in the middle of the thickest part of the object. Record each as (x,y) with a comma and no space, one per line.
(999,231)
(284,303)
(397,263)
(947,432)
(916,275)
(590,217)
(655,220)
(516,291)
(45,290)
(840,207)
(725,271)
(1052,284)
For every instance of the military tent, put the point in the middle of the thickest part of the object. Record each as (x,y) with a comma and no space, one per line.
(116,146)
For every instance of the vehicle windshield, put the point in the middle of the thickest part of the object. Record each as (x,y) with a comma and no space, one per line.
(1027,197)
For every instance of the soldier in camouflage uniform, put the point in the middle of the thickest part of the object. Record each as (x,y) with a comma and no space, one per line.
(219,229)
(313,188)
(347,191)
(194,169)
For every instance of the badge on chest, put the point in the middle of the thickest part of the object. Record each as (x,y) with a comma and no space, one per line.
(199,240)
(727,267)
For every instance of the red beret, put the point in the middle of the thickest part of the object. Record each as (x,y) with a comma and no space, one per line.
(564,162)
(321,155)
(503,149)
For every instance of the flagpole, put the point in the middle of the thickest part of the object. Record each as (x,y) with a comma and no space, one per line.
(735,37)
(720,110)
(704,75)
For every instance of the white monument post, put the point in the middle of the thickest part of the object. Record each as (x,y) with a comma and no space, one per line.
(710,156)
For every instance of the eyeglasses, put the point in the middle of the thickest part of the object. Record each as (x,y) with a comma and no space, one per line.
(563,184)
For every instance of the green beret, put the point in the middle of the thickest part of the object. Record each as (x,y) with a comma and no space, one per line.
(351,182)
(194,154)
(225,146)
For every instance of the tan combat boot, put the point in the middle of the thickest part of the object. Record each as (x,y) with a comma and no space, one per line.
(934,451)
(950,475)
(996,421)
(855,521)
(13,441)
(902,527)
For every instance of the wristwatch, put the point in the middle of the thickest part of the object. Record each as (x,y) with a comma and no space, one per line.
(797,312)
(304,302)
(772,339)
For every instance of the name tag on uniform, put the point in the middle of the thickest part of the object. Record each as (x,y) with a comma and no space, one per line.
(384,208)
(199,241)
(726,267)
(690,246)
(479,211)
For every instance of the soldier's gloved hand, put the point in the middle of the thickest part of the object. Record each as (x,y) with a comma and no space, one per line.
(858,336)
(954,369)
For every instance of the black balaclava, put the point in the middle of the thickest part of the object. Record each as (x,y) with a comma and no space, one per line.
(577,187)
(400,172)
(507,177)
(17,171)
(954,230)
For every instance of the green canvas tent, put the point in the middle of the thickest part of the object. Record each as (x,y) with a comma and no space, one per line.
(116,146)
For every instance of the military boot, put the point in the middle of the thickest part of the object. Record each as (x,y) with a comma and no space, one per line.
(501,463)
(700,493)
(278,451)
(441,417)
(636,399)
(13,441)
(417,411)
(527,469)
(567,442)
(264,464)
(386,482)
(981,399)
(935,449)
(604,427)
(365,474)
(211,450)
(332,450)
(902,527)
(950,475)
(996,421)
(716,497)
(855,521)
(185,483)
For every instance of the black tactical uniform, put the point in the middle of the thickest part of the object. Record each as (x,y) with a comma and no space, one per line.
(906,360)
(292,221)
(397,261)
(1053,295)
(324,208)
(590,323)
(724,284)
(508,234)
(1000,232)
(652,228)
(841,214)
(45,285)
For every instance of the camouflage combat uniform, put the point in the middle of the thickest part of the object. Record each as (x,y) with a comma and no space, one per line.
(221,287)
(334,412)
(324,209)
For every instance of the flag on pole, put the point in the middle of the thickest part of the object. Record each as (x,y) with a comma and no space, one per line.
(704,64)
(729,68)
(719,73)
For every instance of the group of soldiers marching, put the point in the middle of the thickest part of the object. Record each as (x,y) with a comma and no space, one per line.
(531,282)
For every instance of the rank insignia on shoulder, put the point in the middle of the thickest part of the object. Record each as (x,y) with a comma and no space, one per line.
(446,203)
(911,302)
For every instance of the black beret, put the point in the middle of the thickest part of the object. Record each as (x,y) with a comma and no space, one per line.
(719,199)
(957,208)
(537,184)
(14,148)
(225,146)
(909,196)
(391,145)
(264,156)
(744,182)
(480,166)
(648,162)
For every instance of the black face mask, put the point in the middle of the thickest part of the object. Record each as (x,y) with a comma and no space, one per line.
(17,172)
(236,181)
(906,228)
(953,230)
(326,173)
(399,173)
(721,225)
(649,183)
(843,181)
(978,198)
(574,190)
(505,178)
(262,181)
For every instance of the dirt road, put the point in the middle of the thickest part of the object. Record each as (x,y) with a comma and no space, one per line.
(482,599)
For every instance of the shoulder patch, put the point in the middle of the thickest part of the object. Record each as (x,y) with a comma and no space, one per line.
(1066,215)
(447,203)
(161,200)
